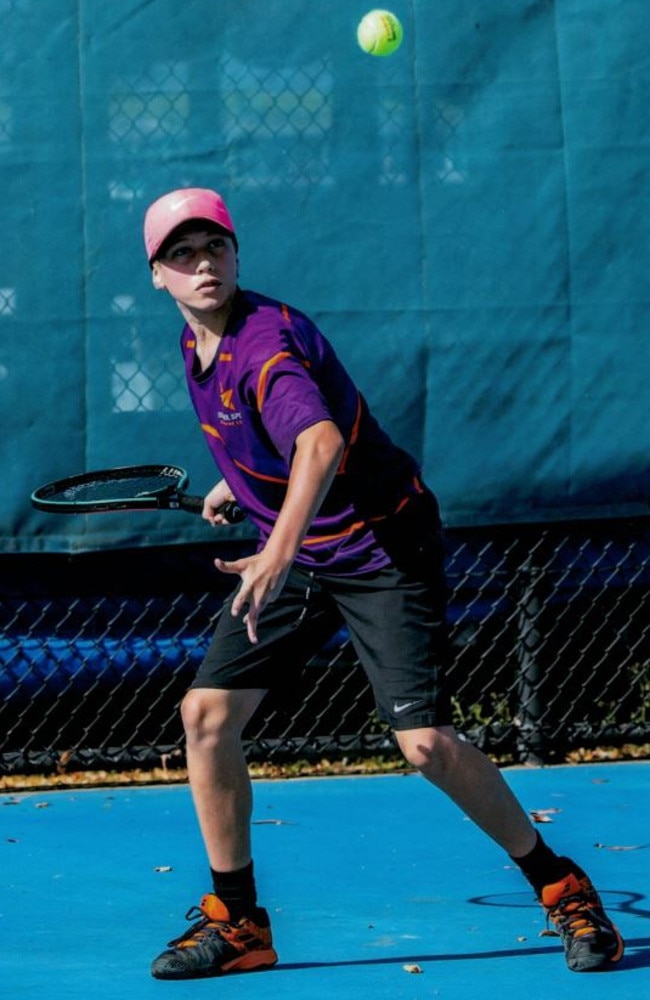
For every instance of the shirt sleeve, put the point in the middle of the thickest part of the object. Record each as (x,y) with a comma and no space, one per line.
(288,399)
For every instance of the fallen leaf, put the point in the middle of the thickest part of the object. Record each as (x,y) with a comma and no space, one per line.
(543,815)
(412,968)
(271,822)
(163,868)
(617,847)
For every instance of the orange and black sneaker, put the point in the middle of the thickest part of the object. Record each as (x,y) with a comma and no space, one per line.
(591,941)
(216,945)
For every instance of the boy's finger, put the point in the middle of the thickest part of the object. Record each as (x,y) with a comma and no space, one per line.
(250,619)
(238,602)
(227,567)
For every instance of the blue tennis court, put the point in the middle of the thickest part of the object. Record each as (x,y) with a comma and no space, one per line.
(364,877)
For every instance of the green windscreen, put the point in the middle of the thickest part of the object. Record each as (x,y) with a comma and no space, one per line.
(466,220)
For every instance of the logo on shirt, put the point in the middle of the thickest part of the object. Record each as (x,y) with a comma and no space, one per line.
(226,398)
(229,419)
(229,416)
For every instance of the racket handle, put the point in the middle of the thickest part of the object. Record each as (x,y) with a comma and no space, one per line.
(194,504)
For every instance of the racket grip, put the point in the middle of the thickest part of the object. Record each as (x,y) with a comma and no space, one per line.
(194,504)
(232,512)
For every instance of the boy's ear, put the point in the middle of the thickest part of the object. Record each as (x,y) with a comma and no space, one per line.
(156,276)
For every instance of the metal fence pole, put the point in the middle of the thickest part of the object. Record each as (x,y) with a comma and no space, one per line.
(529,716)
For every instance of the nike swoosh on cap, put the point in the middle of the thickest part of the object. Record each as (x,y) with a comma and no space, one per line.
(178,204)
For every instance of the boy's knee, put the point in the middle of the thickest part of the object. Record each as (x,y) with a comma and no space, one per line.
(201,711)
(211,713)
(430,750)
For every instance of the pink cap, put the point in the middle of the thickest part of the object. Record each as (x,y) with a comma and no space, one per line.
(170,211)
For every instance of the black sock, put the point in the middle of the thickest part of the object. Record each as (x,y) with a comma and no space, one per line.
(237,890)
(542,866)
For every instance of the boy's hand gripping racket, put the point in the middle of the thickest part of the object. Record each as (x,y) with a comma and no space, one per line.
(133,487)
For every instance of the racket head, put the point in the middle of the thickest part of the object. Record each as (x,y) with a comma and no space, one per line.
(129,487)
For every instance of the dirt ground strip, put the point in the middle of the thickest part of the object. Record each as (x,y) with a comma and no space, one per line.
(297,769)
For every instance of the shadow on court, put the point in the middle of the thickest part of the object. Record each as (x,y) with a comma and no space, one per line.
(378,887)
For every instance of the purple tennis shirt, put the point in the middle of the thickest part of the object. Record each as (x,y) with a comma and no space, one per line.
(274,376)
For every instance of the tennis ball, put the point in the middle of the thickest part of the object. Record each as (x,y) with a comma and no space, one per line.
(380,33)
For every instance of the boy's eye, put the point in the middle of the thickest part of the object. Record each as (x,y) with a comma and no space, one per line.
(185,251)
(182,251)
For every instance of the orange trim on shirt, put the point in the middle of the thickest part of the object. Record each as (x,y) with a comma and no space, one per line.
(333,538)
(354,434)
(261,384)
(259,475)
(212,431)
(360,524)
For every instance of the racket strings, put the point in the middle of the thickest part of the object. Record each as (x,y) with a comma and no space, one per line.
(106,489)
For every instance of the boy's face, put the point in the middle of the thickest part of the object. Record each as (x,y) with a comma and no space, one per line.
(198,266)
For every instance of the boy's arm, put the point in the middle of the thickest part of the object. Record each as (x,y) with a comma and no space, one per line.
(316,458)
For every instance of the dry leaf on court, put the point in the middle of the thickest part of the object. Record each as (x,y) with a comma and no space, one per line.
(543,815)
(272,822)
(622,847)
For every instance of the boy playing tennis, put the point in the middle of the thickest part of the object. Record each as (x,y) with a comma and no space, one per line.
(349,534)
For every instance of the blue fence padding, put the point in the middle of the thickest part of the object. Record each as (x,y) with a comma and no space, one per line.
(33,666)
(576,569)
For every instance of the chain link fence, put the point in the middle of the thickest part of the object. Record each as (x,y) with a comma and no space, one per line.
(551,652)
(549,622)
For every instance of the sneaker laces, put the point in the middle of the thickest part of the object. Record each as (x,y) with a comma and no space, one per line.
(574,914)
(199,930)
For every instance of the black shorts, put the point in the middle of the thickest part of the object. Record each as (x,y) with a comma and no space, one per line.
(395,618)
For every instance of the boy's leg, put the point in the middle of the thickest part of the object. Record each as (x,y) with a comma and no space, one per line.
(397,623)
(591,941)
(474,783)
(217,772)
(232,933)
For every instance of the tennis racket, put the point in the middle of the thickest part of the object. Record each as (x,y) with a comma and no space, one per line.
(132,487)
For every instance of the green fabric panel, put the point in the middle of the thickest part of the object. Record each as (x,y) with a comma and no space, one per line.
(466,220)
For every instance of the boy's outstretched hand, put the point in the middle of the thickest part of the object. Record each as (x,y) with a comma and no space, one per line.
(318,451)
(261,582)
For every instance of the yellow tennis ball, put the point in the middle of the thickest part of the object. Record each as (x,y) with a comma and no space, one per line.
(380,33)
